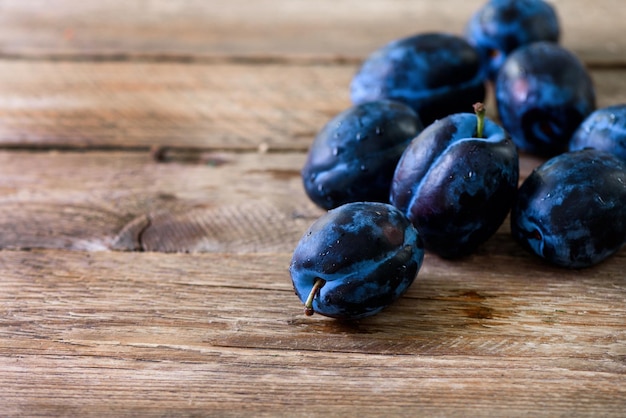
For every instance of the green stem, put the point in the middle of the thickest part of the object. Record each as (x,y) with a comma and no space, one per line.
(308,304)
(479,109)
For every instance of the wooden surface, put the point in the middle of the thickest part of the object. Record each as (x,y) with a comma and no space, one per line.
(150,198)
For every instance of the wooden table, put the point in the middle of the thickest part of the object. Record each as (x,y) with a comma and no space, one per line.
(150,199)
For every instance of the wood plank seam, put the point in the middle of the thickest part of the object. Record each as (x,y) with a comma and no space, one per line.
(617,62)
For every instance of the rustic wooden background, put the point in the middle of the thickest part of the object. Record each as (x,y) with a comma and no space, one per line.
(150,199)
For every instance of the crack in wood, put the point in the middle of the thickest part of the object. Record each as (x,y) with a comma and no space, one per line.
(165,58)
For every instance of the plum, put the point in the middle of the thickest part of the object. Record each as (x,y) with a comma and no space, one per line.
(604,129)
(437,74)
(543,93)
(499,27)
(571,210)
(354,156)
(456,182)
(355,260)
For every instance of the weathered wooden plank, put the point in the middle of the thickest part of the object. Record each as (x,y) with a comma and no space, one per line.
(221,106)
(146,105)
(153,334)
(223,202)
(234,383)
(228,202)
(93,201)
(272,28)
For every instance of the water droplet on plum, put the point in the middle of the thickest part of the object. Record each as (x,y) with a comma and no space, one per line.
(599,199)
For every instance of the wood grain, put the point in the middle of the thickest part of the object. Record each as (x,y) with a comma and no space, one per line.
(272,29)
(144,105)
(128,201)
(154,334)
(185,106)
(107,333)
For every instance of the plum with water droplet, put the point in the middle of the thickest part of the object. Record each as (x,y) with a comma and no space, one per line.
(355,260)
(437,74)
(354,155)
(604,129)
(543,93)
(456,182)
(499,27)
(571,210)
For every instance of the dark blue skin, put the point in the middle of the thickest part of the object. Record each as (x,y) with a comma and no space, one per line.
(354,156)
(457,189)
(367,253)
(604,129)
(571,211)
(543,94)
(436,74)
(499,27)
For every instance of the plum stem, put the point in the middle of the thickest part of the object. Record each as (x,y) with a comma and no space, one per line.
(308,304)
(480,111)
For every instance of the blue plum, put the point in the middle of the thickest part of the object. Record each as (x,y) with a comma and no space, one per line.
(437,74)
(499,27)
(455,184)
(543,93)
(571,210)
(355,260)
(604,129)
(354,156)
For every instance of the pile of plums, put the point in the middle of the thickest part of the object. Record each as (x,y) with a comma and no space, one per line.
(409,168)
